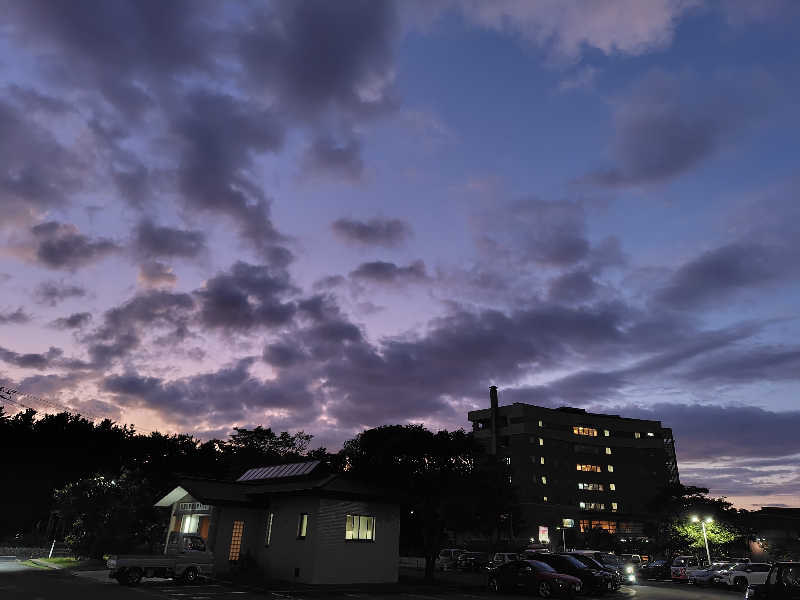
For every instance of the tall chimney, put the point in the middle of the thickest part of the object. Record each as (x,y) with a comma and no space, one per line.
(493,408)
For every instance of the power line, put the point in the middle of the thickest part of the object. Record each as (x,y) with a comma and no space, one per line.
(8,394)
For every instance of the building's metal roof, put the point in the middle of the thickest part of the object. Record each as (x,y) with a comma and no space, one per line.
(279,471)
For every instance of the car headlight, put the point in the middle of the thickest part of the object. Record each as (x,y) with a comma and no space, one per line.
(629,569)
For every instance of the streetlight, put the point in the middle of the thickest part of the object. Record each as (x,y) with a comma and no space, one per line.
(696,519)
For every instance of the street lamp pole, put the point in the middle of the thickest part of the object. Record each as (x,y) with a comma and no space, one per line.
(705,537)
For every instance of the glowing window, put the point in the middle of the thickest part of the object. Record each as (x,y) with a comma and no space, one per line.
(591,506)
(302,526)
(236,540)
(589,468)
(592,487)
(614,506)
(637,435)
(268,534)
(190,523)
(610,468)
(584,431)
(541,460)
(544,480)
(509,480)
(612,486)
(608,450)
(541,441)
(541,424)
(544,498)
(651,434)
(606,432)
(359,527)
(508,460)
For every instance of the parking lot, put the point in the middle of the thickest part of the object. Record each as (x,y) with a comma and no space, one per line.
(22,583)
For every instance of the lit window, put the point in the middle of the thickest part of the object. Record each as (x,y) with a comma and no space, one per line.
(541,460)
(541,441)
(268,536)
(509,480)
(591,506)
(612,486)
(190,523)
(614,506)
(541,424)
(544,480)
(236,540)
(608,450)
(651,434)
(610,468)
(544,498)
(592,487)
(589,468)
(302,526)
(637,435)
(584,431)
(606,432)
(582,504)
(508,460)
(359,527)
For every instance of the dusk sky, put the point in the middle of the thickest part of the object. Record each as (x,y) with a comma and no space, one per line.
(330,216)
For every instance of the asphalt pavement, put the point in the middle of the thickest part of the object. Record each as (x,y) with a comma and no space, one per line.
(18,582)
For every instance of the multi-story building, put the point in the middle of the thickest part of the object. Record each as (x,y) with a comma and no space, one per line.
(578,469)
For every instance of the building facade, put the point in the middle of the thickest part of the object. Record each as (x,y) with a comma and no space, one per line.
(575,469)
(295,522)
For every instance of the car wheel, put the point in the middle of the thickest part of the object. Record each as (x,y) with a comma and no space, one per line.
(190,575)
(133,576)
(740,583)
(494,585)
(544,589)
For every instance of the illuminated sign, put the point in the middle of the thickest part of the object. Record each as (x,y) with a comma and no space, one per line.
(567,523)
(544,536)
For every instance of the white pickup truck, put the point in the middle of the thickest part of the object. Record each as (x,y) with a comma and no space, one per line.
(185,557)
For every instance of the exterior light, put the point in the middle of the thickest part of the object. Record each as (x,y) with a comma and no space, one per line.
(709,520)
(695,518)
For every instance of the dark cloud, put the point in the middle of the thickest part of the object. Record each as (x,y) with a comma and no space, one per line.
(124,326)
(328,282)
(248,296)
(155,274)
(748,366)
(389,273)
(574,286)
(154,241)
(374,232)
(54,292)
(73,321)
(17,317)
(326,157)
(670,123)
(47,385)
(31,360)
(62,246)
(283,355)
(719,274)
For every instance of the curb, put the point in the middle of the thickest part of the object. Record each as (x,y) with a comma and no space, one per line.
(47,565)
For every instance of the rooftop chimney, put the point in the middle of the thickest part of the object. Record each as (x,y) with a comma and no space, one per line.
(493,396)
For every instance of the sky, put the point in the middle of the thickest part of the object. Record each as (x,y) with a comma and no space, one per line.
(330,216)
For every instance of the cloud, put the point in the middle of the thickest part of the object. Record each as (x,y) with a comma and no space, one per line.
(62,246)
(582,78)
(573,286)
(154,241)
(749,366)
(669,123)
(388,273)
(327,157)
(73,321)
(52,292)
(31,360)
(373,232)
(17,317)
(247,297)
(155,274)
(567,28)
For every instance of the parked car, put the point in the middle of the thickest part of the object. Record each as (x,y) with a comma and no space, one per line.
(592,580)
(501,558)
(185,558)
(655,569)
(593,563)
(743,574)
(705,576)
(533,576)
(447,558)
(783,583)
(472,561)
(680,567)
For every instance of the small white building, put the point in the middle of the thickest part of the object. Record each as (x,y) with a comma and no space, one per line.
(296,521)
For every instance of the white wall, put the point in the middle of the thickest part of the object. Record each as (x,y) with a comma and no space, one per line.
(285,552)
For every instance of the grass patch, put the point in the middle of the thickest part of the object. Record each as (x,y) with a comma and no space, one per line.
(29,563)
(62,561)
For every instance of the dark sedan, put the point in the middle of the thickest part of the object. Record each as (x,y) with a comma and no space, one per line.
(533,576)
(592,580)
(472,561)
(592,563)
(655,569)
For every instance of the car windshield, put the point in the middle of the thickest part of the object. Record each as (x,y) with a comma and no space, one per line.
(587,560)
(574,562)
(540,566)
(609,559)
(658,563)
(720,566)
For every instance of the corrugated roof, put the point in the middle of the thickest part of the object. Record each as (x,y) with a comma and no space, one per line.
(279,471)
